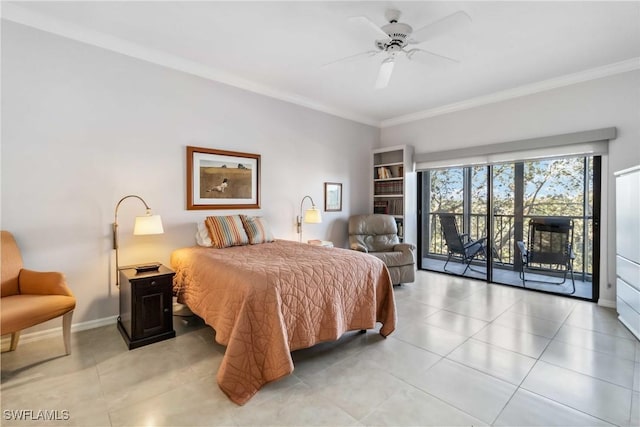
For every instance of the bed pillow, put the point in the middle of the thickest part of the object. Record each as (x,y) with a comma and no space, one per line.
(202,235)
(226,231)
(257,229)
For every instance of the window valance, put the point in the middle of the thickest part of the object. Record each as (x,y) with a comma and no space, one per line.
(591,142)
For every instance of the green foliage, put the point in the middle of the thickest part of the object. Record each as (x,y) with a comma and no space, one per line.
(553,187)
(446,190)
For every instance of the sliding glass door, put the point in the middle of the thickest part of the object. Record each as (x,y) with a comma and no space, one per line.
(498,206)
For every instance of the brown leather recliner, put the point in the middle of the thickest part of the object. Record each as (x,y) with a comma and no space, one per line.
(31,297)
(377,234)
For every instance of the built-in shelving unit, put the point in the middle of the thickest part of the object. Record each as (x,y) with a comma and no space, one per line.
(394,187)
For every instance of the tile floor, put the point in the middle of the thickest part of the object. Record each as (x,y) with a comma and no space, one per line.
(464,354)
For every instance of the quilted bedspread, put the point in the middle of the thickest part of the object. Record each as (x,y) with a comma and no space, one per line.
(267,300)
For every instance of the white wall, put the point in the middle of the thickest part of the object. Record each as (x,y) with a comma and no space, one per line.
(82,127)
(608,102)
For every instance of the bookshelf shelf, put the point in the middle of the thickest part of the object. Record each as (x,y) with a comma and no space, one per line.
(394,180)
(388,179)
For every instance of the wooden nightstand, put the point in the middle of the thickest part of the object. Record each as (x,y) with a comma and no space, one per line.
(146,306)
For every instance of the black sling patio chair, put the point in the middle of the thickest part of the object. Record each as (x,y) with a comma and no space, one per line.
(459,246)
(549,249)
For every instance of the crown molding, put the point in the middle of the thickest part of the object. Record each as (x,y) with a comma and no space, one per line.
(530,89)
(14,13)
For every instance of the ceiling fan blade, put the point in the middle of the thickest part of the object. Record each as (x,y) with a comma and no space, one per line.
(384,74)
(368,53)
(368,23)
(421,55)
(449,23)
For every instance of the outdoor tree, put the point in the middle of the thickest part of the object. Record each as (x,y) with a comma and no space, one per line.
(555,187)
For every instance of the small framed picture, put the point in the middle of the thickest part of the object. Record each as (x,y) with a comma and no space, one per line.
(218,179)
(332,197)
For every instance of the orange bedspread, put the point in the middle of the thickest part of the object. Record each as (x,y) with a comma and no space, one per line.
(267,300)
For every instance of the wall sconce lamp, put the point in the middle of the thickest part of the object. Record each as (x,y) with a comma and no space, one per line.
(311,216)
(147,224)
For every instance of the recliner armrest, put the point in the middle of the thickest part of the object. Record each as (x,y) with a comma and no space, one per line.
(404,247)
(359,247)
(42,283)
(407,250)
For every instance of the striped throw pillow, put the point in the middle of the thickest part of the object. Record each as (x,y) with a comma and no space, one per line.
(226,231)
(257,229)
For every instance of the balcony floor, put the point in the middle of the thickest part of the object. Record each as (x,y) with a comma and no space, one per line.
(509,277)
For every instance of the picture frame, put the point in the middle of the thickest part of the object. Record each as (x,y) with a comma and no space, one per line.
(332,197)
(220,179)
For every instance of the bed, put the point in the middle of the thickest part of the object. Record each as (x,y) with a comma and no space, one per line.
(265,301)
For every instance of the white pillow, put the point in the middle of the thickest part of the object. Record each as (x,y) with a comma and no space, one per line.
(202,236)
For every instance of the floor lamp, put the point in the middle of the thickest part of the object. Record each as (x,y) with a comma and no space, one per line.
(147,224)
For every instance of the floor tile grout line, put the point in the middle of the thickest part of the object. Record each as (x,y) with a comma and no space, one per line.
(568,406)
(417,346)
(489,323)
(518,386)
(387,372)
(591,349)
(536,318)
(561,367)
(634,340)
(631,406)
(538,359)
(433,395)
(445,357)
(484,373)
(595,351)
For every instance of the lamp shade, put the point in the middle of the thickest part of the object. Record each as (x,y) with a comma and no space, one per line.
(148,224)
(312,216)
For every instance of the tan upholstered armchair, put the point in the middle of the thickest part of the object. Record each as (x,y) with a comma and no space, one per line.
(377,235)
(31,297)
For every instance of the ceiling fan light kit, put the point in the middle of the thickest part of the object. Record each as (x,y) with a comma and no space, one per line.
(397,35)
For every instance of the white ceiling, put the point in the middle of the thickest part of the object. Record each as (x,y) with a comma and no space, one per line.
(278,48)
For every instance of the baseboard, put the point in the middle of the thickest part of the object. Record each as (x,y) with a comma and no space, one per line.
(57,332)
(607,303)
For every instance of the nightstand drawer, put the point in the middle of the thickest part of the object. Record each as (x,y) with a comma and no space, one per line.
(153,282)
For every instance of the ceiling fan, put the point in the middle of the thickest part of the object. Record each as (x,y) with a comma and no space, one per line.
(396,37)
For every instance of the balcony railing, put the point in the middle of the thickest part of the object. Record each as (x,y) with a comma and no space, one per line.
(504,251)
